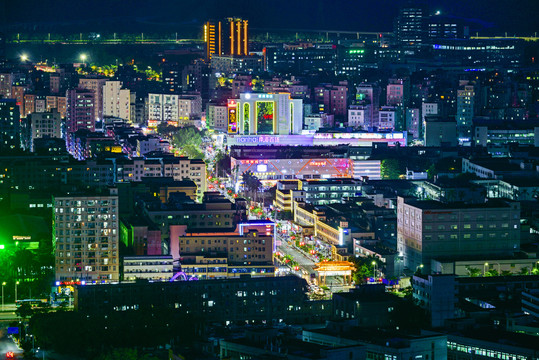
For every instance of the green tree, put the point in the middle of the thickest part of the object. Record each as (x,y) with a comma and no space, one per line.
(390,169)
(473,272)
(24,311)
(251,184)
(189,140)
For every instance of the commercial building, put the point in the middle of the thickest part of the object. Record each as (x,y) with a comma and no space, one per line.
(500,133)
(229,37)
(321,192)
(265,114)
(86,233)
(219,254)
(9,124)
(411,26)
(429,230)
(365,139)
(156,268)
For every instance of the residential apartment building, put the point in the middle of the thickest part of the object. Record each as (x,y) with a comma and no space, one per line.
(428,230)
(173,109)
(116,101)
(86,234)
(45,125)
(96,86)
(80,110)
(9,124)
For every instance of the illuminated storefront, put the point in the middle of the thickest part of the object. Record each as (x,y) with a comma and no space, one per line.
(318,139)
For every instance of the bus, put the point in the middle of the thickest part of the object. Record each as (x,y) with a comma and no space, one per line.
(32,302)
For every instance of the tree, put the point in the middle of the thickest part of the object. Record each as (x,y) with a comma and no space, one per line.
(524,271)
(24,311)
(390,169)
(473,272)
(189,140)
(251,183)
(365,268)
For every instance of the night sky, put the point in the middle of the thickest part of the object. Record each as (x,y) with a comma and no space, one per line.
(493,16)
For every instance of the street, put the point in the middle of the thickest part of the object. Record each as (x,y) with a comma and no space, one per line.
(306,265)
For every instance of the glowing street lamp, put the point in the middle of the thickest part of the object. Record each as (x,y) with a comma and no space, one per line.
(3,284)
(16,284)
(374,264)
(24,57)
(83,58)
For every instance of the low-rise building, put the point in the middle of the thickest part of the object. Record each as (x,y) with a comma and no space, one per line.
(157,267)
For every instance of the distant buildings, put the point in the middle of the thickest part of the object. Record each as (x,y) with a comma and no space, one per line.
(229,37)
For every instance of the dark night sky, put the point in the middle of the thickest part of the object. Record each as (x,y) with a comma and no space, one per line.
(495,16)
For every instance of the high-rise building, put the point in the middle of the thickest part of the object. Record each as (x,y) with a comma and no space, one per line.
(9,124)
(172,78)
(86,234)
(410,26)
(80,110)
(116,101)
(429,229)
(265,114)
(413,122)
(96,85)
(229,37)
(465,112)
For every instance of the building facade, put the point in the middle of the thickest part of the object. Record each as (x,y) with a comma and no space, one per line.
(428,230)
(265,114)
(86,233)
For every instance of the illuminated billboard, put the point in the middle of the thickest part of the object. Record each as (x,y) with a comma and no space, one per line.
(232,117)
(264,117)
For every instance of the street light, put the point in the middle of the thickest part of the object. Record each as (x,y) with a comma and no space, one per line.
(16,283)
(374,264)
(485,267)
(24,57)
(83,58)
(3,284)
